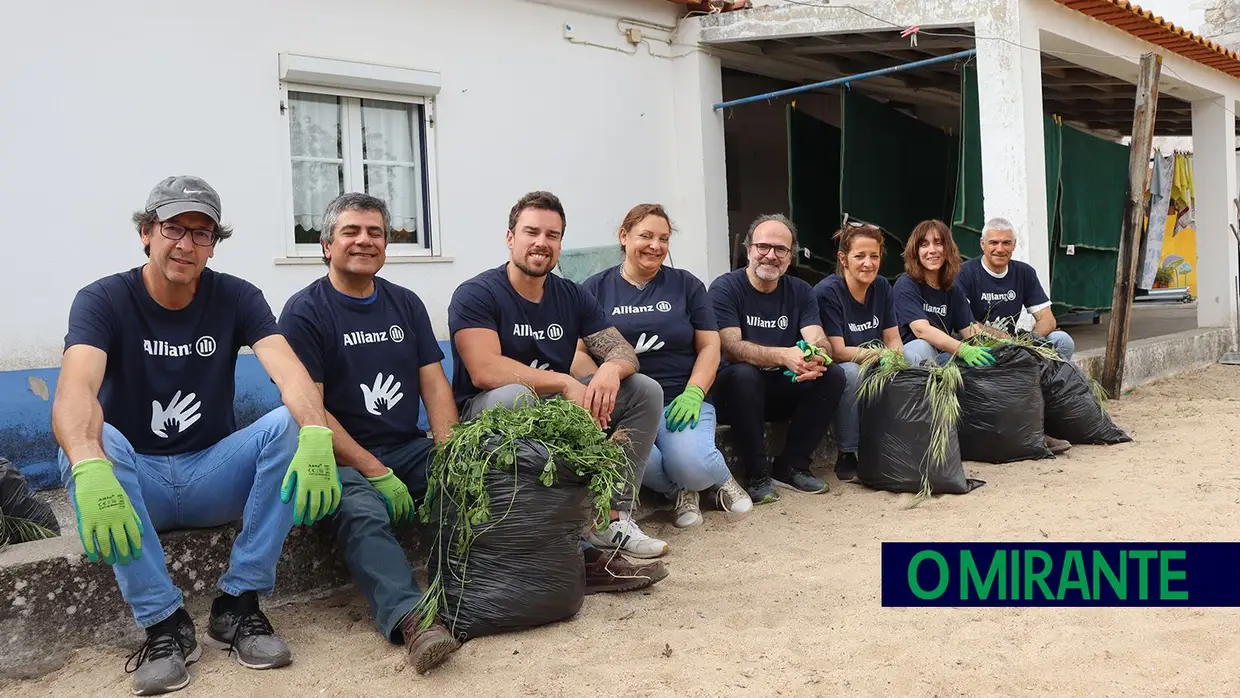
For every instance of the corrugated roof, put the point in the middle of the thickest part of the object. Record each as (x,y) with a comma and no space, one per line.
(1146,25)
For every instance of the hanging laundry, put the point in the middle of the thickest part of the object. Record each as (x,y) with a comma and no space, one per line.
(1182,193)
(1160,206)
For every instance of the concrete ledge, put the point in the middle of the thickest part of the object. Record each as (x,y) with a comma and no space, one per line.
(1161,357)
(52,600)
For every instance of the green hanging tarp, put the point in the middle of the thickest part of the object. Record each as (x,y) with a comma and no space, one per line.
(897,171)
(1094,177)
(814,185)
(967,214)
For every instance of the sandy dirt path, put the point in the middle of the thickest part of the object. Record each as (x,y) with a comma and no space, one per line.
(786,601)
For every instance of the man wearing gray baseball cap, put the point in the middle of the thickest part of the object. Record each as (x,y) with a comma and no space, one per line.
(144,417)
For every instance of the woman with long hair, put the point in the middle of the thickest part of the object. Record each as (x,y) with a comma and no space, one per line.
(664,313)
(932,311)
(857,309)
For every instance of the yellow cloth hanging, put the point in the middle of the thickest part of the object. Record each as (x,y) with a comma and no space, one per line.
(1182,193)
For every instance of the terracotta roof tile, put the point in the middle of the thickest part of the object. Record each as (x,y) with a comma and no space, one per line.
(1146,25)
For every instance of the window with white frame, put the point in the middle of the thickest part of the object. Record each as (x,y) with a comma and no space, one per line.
(349,141)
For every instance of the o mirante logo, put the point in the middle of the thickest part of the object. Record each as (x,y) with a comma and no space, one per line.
(1061,574)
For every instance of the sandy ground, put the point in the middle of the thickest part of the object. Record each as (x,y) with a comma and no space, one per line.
(786,601)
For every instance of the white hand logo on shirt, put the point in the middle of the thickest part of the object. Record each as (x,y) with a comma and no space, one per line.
(541,367)
(382,395)
(179,415)
(644,345)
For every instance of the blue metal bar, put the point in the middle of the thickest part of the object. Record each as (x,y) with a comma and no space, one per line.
(847,79)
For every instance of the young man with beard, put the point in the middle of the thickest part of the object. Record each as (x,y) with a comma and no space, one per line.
(762,312)
(369,346)
(517,327)
(166,334)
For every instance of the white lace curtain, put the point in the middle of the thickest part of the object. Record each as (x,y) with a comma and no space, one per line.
(343,144)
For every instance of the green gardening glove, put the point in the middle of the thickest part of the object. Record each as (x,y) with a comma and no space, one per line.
(107,523)
(976,356)
(685,409)
(399,503)
(312,476)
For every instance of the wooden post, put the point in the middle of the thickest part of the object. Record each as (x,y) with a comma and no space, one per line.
(1144,112)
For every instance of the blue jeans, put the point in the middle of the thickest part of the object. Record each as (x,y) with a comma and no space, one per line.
(919,351)
(1064,345)
(364,533)
(848,418)
(237,478)
(687,459)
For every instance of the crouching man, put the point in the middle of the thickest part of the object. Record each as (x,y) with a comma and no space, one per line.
(166,335)
(517,327)
(369,346)
(762,313)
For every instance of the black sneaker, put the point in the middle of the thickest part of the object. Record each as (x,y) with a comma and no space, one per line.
(239,626)
(160,663)
(800,481)
(846,467)
(761,491)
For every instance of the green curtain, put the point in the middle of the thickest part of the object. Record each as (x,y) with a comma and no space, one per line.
(898,171)
(1095,181)
(967,215)
(814,185)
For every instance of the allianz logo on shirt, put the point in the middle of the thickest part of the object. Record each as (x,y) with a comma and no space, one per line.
(862,327)
(553,332)
(1000,297)
(395,333)
(940,310)
(204,347)
(755,321)
(661,306)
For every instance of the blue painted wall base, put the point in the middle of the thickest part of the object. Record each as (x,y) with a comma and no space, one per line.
(26,418)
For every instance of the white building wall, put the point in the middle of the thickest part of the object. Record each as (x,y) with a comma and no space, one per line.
(101,100)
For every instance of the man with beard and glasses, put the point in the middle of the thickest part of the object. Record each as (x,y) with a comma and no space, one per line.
(516,328)
(369,346)
(778,365)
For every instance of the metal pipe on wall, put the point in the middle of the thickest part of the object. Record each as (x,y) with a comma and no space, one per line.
(848,78)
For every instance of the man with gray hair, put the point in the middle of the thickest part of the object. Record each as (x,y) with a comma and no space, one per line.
(999,287)
(369,345)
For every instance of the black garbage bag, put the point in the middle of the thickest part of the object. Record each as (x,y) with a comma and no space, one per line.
(23,516)
(1001,408)
(894,450)
(1071,411)
(524,568)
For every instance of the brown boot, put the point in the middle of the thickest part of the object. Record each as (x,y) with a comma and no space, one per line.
(427,648)
(607,572)
(1057,446)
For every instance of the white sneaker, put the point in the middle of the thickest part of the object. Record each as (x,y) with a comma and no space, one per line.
(624,535)
(688,513)
(733,498)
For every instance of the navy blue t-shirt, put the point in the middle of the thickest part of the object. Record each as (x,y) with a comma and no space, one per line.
(772,319)
(994,298)
(170,377)
(366,353)
(542,335)
(947,310)
(857,323)
(658,320)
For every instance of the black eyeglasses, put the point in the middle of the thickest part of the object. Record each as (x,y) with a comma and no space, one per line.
(172,231)
(764,249)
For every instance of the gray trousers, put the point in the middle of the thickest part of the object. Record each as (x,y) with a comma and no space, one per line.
(638,410)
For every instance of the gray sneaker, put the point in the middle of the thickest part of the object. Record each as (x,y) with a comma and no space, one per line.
(160,663)
(239,626)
